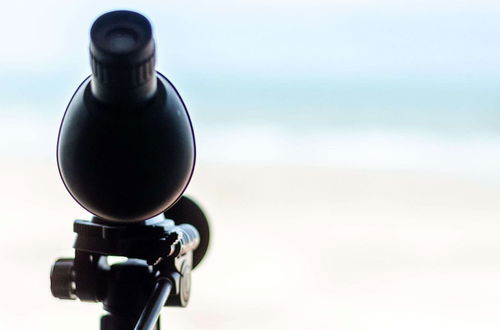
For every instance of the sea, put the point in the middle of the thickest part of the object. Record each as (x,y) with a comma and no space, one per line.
(444,124)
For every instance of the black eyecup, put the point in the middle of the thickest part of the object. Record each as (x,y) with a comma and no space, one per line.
(122,56)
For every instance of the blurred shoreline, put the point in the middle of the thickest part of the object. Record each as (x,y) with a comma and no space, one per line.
(473,154)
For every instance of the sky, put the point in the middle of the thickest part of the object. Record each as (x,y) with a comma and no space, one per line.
(278,37)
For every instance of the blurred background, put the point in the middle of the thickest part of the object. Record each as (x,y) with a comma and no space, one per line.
(348,158)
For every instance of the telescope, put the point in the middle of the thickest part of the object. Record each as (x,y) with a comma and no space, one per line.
(126,153)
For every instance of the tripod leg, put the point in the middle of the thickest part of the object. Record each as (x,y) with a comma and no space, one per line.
(151,312)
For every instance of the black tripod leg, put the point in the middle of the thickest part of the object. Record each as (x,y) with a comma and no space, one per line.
(151,312)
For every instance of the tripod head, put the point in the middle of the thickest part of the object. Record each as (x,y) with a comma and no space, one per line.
(126,153)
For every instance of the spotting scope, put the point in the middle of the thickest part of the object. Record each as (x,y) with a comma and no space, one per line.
(126,153)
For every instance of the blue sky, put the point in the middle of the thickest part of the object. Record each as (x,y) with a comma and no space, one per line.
(269,37)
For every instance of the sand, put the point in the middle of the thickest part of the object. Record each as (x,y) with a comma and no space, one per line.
(292,248)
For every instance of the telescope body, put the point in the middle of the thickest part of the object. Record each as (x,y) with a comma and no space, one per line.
(126,149)
(126,162)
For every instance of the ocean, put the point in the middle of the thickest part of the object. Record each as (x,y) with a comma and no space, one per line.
(442,124)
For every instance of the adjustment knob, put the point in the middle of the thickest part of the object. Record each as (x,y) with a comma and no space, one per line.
(62,283)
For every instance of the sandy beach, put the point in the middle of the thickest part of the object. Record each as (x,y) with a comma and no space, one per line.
(292,248)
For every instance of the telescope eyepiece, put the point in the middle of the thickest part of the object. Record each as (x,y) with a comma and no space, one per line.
(122,56)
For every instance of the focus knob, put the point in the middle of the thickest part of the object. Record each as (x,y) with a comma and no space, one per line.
(62,282)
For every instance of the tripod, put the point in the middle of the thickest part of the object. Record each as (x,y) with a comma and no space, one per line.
(156,274)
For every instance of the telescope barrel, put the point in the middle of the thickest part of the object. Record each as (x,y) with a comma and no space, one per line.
(151,311)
